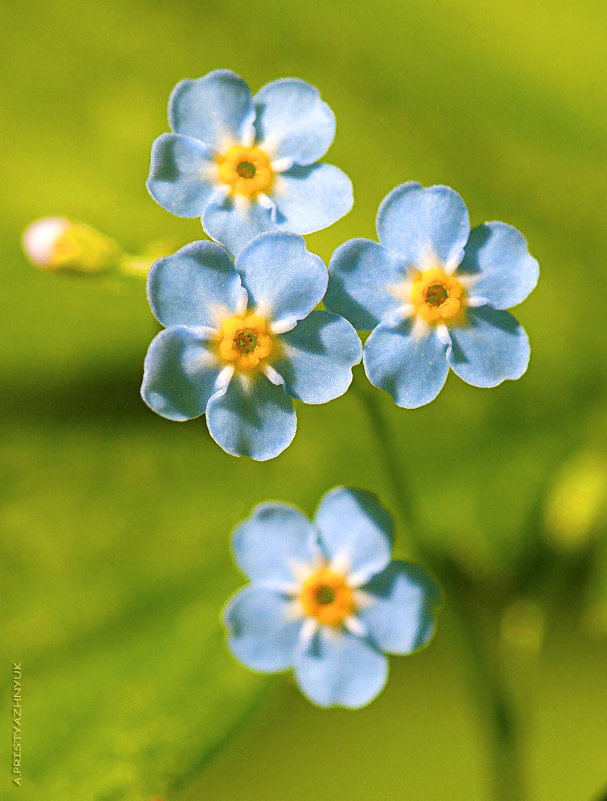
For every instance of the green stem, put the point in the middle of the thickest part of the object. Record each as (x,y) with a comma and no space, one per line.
(484,672)
(394,472)
(482,666)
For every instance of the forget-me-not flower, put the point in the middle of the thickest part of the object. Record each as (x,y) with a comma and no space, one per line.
(435,295)
(242,339)
(325,598)
(247,164)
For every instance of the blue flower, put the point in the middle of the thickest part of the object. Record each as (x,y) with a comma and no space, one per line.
(435,295)
(242,339)
(248,164)
(325,598)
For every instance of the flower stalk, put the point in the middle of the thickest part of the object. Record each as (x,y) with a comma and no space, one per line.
(481,652)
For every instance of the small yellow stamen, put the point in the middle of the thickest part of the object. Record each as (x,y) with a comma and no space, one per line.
(326,596)
(246,170)
(438,297)
(245,342)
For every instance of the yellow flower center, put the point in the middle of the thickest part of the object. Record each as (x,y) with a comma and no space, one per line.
(438,297)
(245,341)
(246,170)
(326,596)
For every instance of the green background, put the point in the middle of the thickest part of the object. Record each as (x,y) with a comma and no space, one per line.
(115,523)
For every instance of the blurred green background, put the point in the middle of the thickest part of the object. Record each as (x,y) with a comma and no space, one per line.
(115,523)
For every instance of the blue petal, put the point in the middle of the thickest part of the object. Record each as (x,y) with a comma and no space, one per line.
(217,109)
(179,374)
(496,255)
(284,280)
(256,420)
(342,670)
(491,348)
(176,179)
(354,527)
(318,356)
(411,368)
(416,222)
(261,634)
(271,541)
(189,287)
(310,198)
(400,617)
(235,222)
(361,275)
(293,120)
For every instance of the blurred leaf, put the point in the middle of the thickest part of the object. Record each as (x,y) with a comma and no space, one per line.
(576,506)
(115,577)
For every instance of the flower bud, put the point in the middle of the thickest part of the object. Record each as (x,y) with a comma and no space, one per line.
(61,245)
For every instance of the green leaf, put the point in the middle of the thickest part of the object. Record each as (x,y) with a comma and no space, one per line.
(115,571)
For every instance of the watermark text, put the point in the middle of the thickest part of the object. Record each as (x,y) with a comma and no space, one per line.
(17,687)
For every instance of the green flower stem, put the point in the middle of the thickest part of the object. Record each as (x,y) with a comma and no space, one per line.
(484,669)
(135,266)
(481,651)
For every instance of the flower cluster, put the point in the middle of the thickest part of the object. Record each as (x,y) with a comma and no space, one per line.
(325,599)
(243,337)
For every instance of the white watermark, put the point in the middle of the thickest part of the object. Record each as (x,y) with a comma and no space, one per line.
(17,687)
